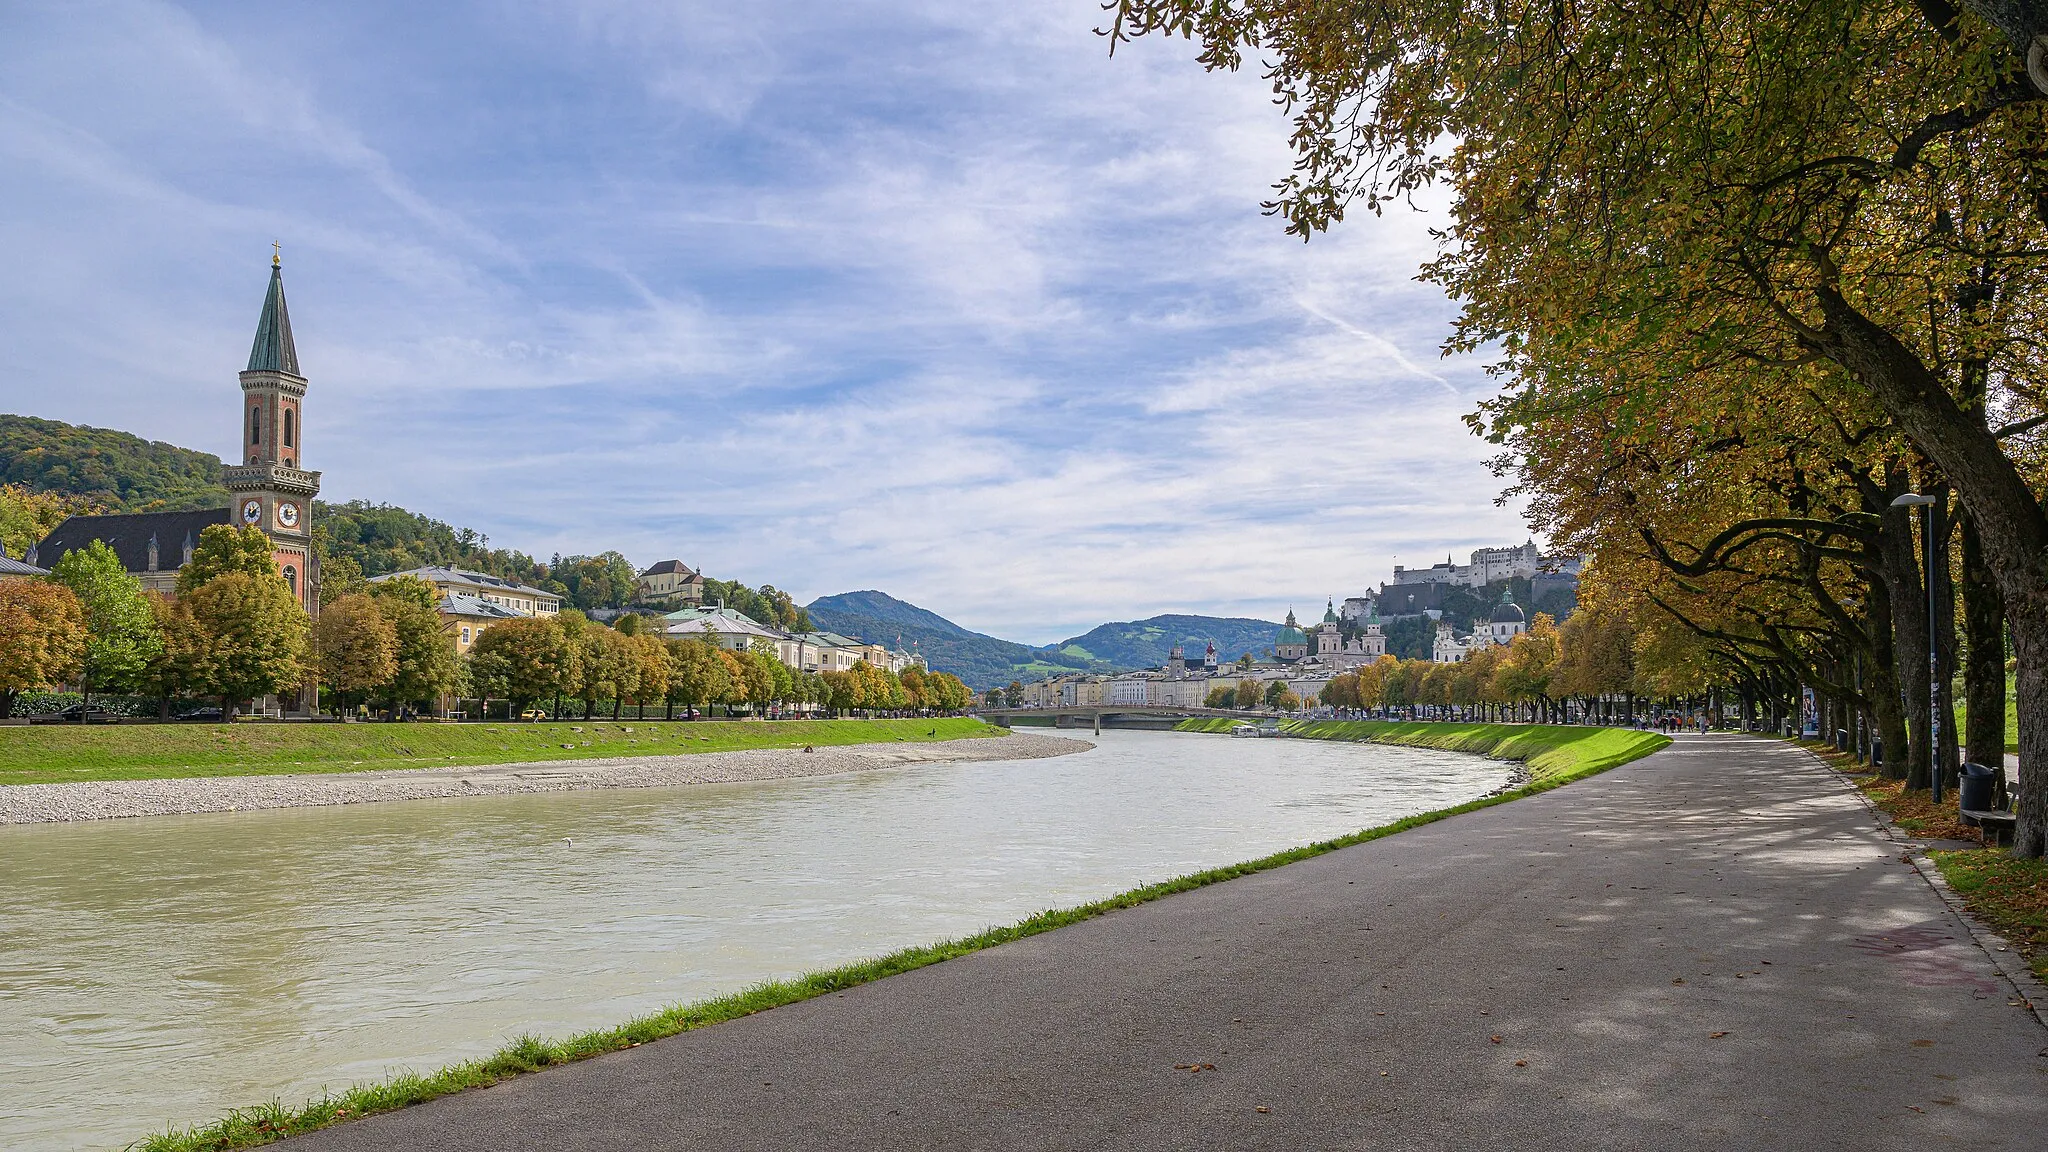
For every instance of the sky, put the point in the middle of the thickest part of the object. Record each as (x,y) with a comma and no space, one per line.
(934,297)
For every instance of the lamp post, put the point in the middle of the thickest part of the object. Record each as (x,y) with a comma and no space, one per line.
(1926,506)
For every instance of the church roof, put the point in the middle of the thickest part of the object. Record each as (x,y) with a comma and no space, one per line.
(1509,612)
(1291,635)
(129,534)
(665,567)
(1329,612)
(273,350)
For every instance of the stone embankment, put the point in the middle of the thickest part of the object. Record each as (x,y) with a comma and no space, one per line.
(51,803)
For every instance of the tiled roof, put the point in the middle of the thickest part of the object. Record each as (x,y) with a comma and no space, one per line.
(456,604)
(667,567)
(724,621)
(13,567)
(129,533)
(435,574)
(273,350)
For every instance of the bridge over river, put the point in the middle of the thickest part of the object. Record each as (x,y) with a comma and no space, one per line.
(1144,716)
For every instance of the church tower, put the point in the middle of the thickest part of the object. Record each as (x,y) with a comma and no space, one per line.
(270,489)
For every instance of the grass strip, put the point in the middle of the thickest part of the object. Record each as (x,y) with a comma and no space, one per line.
(264,1124)
(2006,892)
(1547,749)
(56,754)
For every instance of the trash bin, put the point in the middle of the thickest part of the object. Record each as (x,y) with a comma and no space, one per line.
(1979,792)
(1877,749)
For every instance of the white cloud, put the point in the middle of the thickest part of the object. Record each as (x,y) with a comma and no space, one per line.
(925,296)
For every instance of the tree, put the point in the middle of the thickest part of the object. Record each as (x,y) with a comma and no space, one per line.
(1286,700)
(256,635)
(42,638)
(28,515)
(1014,694)
(1275,691)
(178,668)
(340,576)
(356,647)
(1248,694)
(223,548)
(424,667)
(604,667)
(697,677)
(651,667)
(1220,698)
(523,660)
(1872,215)
(121,634)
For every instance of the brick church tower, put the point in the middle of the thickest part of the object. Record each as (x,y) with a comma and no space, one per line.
(271,491)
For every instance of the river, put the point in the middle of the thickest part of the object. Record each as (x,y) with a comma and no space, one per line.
(163,970)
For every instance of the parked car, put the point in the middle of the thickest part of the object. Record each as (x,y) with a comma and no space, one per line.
(533,714)
(76,714)
(202,715)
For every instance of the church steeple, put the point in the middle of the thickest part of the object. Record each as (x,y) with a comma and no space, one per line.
(273,351)
(272,488)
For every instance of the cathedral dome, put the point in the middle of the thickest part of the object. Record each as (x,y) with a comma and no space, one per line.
(1509,612)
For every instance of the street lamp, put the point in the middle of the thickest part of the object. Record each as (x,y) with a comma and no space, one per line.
(1926,506)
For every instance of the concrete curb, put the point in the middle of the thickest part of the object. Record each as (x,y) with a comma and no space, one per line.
(2000,951)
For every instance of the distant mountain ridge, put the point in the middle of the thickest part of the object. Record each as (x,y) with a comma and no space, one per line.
(981,661)
(1145,643)
(989,662)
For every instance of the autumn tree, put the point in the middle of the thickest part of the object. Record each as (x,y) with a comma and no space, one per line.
(256,635)
(43,638)
(28,515)
(1830,185)
(524,660)
(424,666)
(224,548)
(356,647)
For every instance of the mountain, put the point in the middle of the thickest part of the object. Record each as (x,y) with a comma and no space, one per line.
(115,470)
(987,662)
(1144,643)
(983,662)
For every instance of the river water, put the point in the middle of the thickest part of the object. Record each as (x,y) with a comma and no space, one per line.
(163,970)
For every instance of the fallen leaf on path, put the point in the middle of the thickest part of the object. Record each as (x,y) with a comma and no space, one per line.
(1521,1063)
(1194,1067)
(1262,1108)
(1715,1035)
(1496,1039)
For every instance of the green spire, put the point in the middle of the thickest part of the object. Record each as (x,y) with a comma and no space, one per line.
(273,351)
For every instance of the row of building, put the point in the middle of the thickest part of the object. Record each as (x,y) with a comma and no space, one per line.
(1305,660)
(270,490)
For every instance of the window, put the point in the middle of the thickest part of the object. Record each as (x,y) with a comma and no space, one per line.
(291,577)
(255,425)
(287,427)
(465,635)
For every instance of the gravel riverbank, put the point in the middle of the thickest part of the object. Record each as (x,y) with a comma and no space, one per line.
(108,800)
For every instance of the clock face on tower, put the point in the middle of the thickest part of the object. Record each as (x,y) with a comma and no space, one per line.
(252,511)
(288,514)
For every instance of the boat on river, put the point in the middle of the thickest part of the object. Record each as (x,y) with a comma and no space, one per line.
(1254,731)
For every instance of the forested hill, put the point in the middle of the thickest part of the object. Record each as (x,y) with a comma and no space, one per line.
(981,661)
(115,471)
(1144,643)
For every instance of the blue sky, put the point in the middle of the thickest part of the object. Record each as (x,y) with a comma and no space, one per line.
(932,297)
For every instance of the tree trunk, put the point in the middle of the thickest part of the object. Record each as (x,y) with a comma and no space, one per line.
(1983,655)
(1909,643)
(1942,517)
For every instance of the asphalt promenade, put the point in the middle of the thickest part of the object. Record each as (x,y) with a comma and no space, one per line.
(1711,948)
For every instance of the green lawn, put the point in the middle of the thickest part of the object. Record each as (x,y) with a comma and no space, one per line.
(54,753)
(1551,751)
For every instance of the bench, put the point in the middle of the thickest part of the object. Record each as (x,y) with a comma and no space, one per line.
(1996,826)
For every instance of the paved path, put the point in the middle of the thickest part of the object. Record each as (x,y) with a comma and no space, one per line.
(1710,948)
